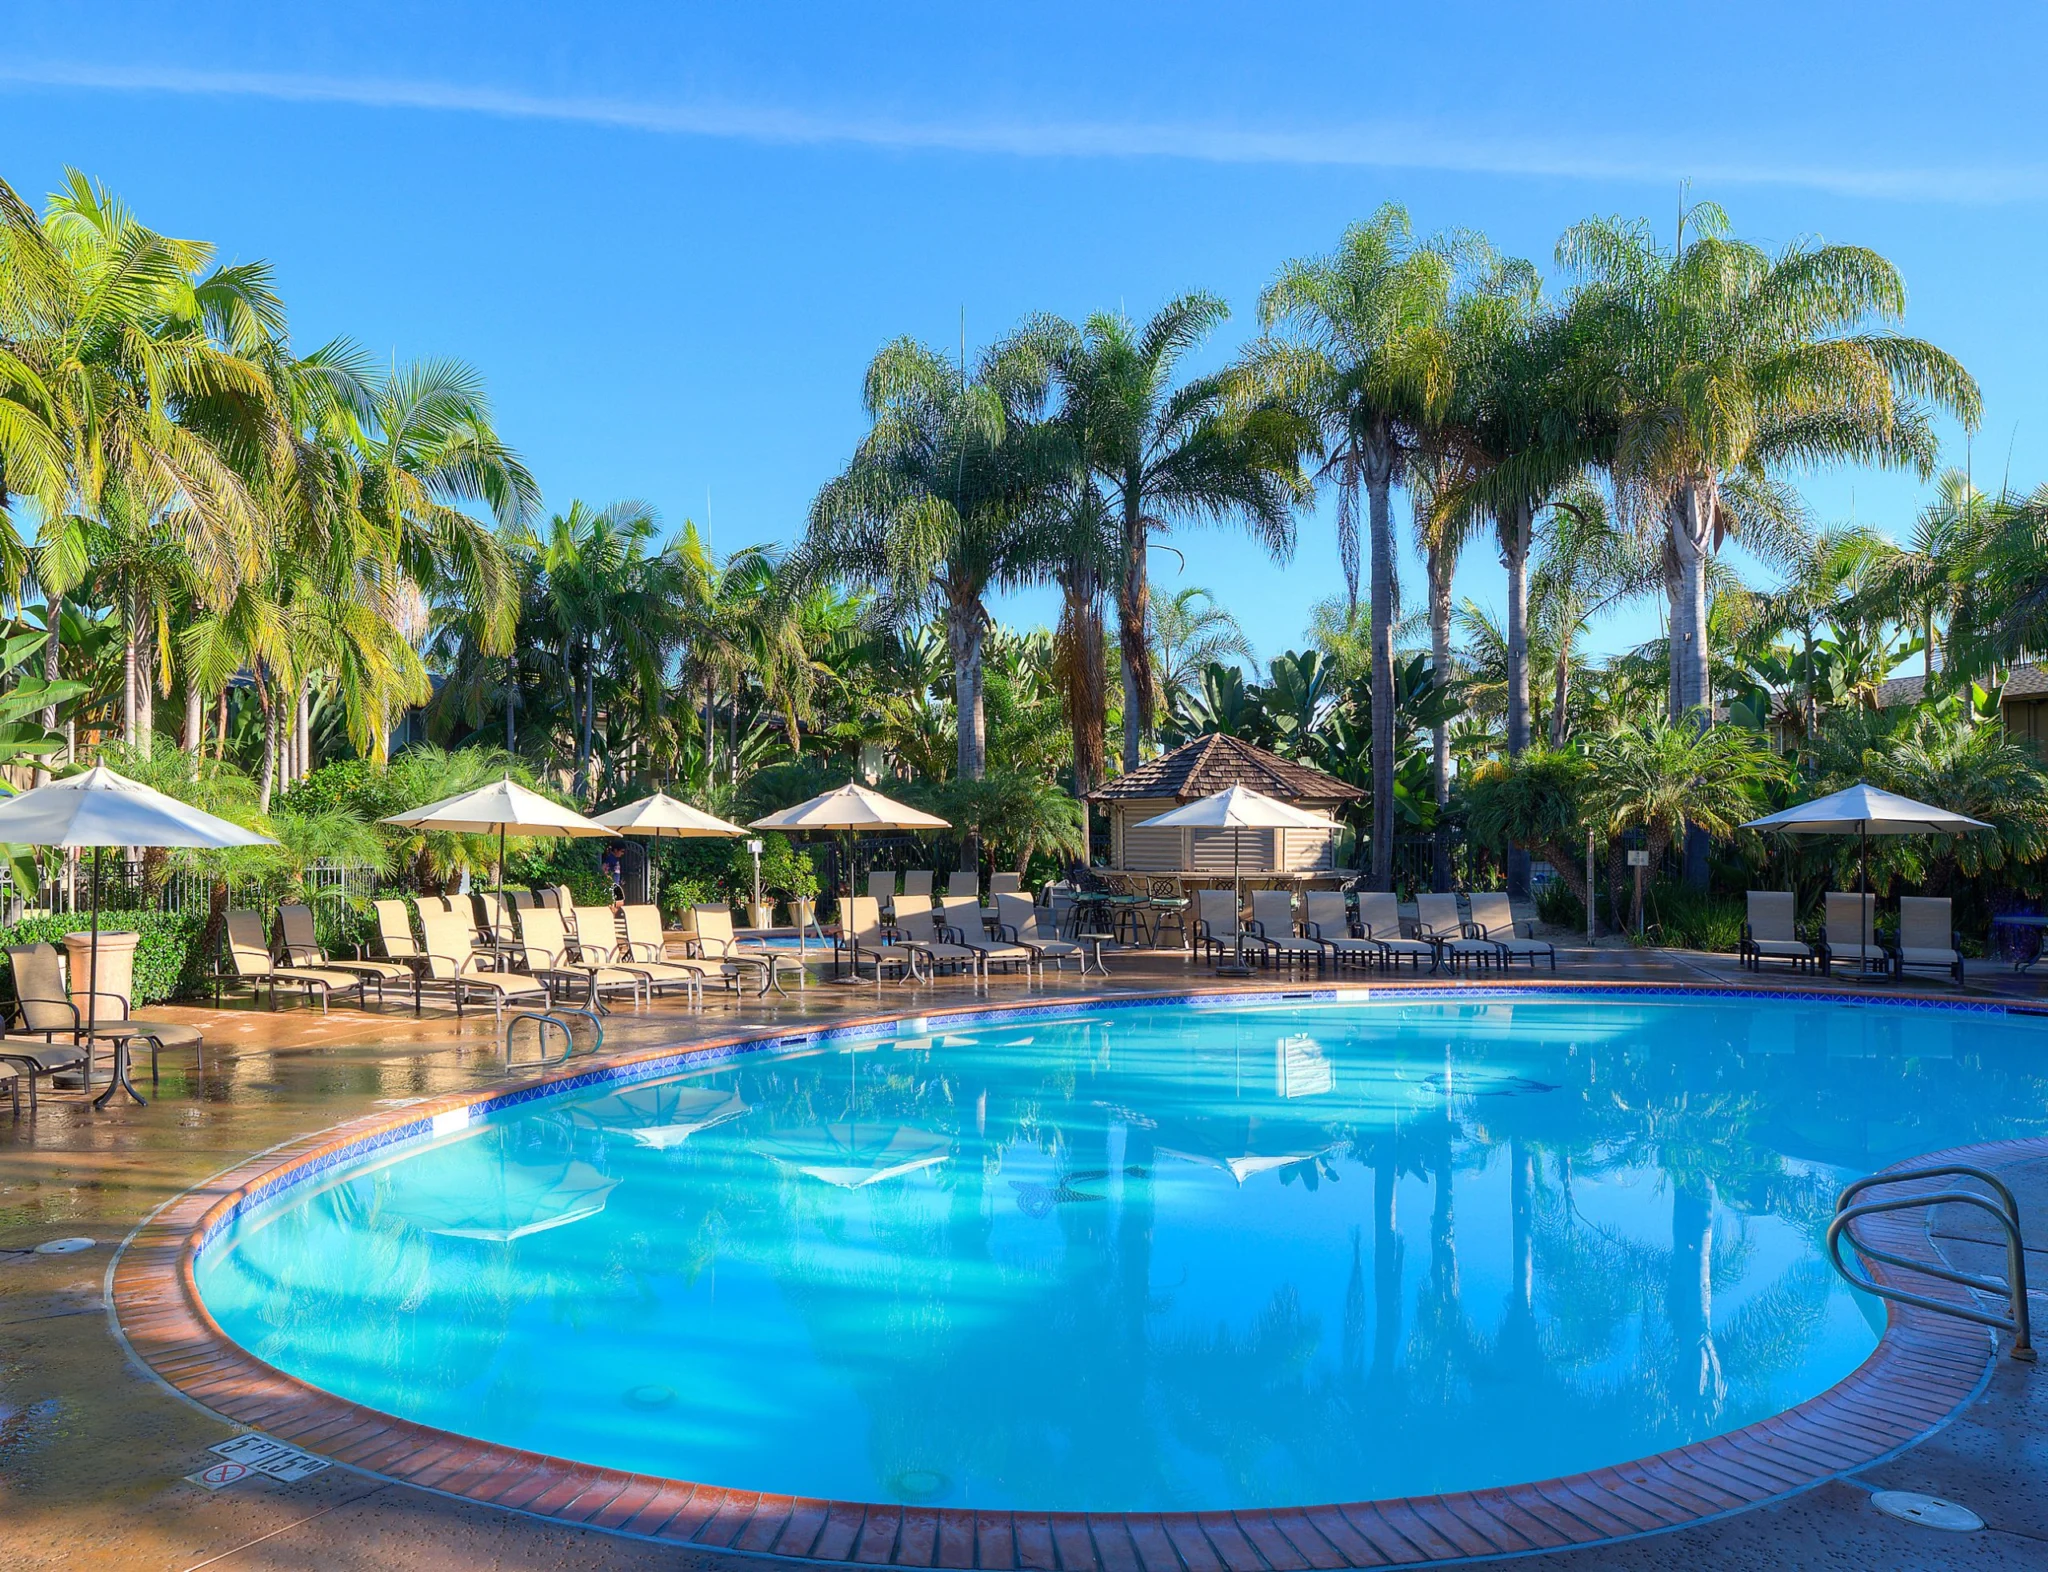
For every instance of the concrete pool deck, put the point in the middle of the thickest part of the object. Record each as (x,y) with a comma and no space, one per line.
(93,1451)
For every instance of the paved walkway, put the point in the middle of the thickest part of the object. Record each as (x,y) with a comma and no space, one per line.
(92,1452)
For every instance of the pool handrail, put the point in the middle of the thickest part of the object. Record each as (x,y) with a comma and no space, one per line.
(2005,1209)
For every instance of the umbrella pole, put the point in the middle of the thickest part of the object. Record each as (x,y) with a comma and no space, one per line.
(92,969)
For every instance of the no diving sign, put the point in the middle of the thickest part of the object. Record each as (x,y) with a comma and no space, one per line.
(253,1454)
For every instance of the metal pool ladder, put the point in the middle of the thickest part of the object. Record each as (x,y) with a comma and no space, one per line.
(2014,1286)
(545,1024)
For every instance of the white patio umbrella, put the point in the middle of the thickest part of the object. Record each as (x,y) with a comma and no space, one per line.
(661,815)
(101,808)
(1864,811)
(1238,808)
(851,808)
(505,807)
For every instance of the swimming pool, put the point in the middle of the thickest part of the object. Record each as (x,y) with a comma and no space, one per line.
(1142,1258)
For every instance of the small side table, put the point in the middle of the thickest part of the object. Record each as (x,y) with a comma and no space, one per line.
(1093,956)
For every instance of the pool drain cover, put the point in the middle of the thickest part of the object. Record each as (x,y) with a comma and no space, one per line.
(650,1396)
(1927,1511)
(63,1246)
(920,1484)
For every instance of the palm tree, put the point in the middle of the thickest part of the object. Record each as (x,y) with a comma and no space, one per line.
(1365,349)
(1084,566)
(1167,452)
(1720,365)
(1588,566)
(1191,632)
(1665,775)
(952,493)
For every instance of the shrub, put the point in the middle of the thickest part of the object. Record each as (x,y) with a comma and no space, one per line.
(1693,919)
(168,961)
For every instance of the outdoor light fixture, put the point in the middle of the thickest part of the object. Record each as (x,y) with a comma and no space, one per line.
(754,848)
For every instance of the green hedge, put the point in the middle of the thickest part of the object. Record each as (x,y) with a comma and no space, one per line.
(167,959)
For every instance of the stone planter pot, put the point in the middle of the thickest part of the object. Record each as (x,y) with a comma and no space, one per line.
(116,974)
(803,913)
(761,914)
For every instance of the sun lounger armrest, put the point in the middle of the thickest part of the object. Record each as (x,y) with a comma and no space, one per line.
(1253,928)
(101,993)
(16,1012)
(1008,933)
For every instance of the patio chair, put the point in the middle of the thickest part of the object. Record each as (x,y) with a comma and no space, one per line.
(454,969)
(964,881)
(300,941)
(1849,932)
(1927,941)
(492,926)
(552,955)
(1168,906)
(1005,884)
(42,1012)
(1456,941)
(717,942)
(11,1074)
(917,890)
(859,941)
(1217,924)
(1326,918)
(245,957)
(1272,931)
(920,933)
(1017,921)
(644,950)
(1495,920)
(1771,933)
(1379,919)
(961,923)
(394,935)
(882,888)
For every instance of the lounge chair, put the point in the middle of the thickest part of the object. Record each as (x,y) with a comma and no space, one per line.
(553,956)
(645,951)
(1217,924)
(964,881)
(1326,918)
(919,932)
(1927,941)
(491,925)
(1272,930)
(961,922)
(394,935)
(41,1013)
(300,942)
(454,968)
(1379,919)
(1017,921)
(1771,933)
(1495,920)
(1849,932)
(42,973)
(882,889)
(859,941)
(1005,884)
(12,1076)
(717,942)
(917,891)
(245,957)
(1456,941)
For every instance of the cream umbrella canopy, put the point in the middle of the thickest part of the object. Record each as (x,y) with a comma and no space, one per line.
(101,808)
(505,807)
(662,815)
(1238,808)
(851,808)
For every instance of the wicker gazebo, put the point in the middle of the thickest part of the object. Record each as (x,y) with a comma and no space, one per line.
(1200,769)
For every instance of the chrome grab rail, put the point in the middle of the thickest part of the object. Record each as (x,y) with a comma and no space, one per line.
(2013,1289)
(545,1021)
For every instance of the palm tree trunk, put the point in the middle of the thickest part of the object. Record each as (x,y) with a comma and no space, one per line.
(1692,524)
(1080,655)
(1377,466)
(131,632)
(1515,531)
(965,626)
(270,738)
(1132,605)
(511,701)
(145,693)
(1440,734)
(220,734)
(50,672)
(194,731)
(303,763)
(710,726)
(1561,693)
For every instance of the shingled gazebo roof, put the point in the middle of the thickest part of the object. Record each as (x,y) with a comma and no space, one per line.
(1210,764)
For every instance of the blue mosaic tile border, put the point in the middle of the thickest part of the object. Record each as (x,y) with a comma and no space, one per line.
(273,1186)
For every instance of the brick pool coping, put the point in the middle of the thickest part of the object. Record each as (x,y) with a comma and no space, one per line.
(1923,1369)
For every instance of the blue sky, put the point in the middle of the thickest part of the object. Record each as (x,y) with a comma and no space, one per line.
(671,237)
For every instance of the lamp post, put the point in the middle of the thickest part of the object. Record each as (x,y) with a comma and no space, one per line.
(754,848)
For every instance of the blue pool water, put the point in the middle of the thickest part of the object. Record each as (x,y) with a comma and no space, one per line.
(1153,1257)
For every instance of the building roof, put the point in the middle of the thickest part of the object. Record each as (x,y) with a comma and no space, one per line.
(1215,762)
(2025,681)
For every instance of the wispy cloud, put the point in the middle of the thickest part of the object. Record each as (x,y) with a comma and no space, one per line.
(1380,144)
